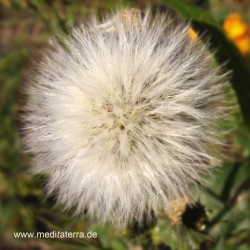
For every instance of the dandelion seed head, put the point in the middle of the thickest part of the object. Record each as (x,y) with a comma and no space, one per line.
(122,118)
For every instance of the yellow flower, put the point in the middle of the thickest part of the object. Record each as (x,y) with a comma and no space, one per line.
(192,34)
(238,31)
(243,44)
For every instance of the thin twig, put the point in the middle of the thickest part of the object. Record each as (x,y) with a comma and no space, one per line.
(230,203)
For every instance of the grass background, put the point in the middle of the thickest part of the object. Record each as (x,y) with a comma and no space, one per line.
(222,219)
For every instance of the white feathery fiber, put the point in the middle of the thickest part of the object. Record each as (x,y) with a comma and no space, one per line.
(121,118)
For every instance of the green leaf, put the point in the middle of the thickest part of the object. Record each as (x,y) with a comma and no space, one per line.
(226,52)
(118,245)
(187,11)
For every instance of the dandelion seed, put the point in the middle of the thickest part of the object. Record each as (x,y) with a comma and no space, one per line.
(122,120)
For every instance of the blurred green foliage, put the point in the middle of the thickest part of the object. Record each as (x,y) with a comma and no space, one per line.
(221,218)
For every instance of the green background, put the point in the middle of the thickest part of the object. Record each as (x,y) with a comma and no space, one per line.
(222,219)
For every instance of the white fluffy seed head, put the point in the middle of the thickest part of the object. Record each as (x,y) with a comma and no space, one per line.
(121,118)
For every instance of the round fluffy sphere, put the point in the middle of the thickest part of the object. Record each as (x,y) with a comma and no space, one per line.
(120,116)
